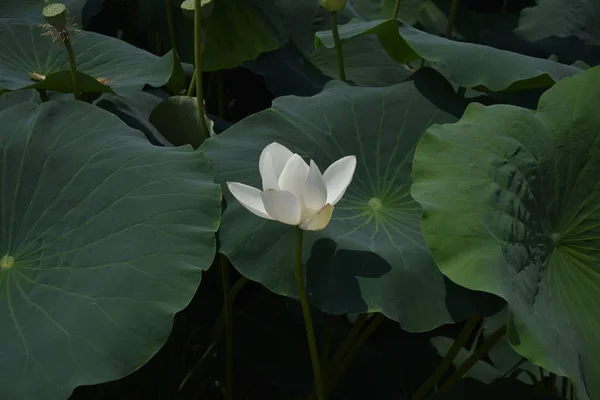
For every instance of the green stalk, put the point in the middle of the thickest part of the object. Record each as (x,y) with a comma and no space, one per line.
(472,360)
(198,61)
(396,9)
(343,366)
(310,332)
(228,328)
(344,348)
(571,391)
(451,18)
(220,324)
(171,24)
(206,358)
(43,95)
(190,91)
(220,95)
(67,41)
(349,341)
(338,46)
(458,344)
(217,333)
(564,387)
(330,331)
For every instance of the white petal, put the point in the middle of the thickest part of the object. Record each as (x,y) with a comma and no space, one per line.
(315,195)
(319,220)
(249,197)
(278,157)
(267,173)
(282,206)
(337,178)
(293,177)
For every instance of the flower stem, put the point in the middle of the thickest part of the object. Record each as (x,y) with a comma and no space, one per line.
(192,87)
(43,95)
(350,338)
(338,46)
(220,95)
(340,369)
(228,329)
(451,17)
(216,334)
(472,360)
(67,41)
(198,61)
(458,344)
(396,8)
(342,351)
(220,324)
(171,24)
(310,332)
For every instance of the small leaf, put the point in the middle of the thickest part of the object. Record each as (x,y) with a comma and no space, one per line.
(177,119)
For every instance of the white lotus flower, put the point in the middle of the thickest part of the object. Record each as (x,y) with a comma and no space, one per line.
(293,192)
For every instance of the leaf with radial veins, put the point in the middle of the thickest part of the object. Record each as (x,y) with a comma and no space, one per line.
(104,237)
(372,256)
(30,60)
(511,205)
(466,64)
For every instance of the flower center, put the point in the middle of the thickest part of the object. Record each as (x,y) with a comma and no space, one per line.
(375,204)
(7,261)
(555,239)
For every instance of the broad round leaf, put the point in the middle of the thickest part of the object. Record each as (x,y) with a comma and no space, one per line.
(29,59)
(104,238)
(512,207)
(466,64)
(372,256)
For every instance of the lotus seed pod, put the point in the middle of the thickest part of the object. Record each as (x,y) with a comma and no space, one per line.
(56,14)
(333,5)
(206,6)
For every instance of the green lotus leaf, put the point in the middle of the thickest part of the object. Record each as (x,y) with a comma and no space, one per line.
(372,256)
(104,238)
(511,206)
(29,59)
(408,10)
(233,33)
(466,64)
(499,389)
(563,19)
(178,120)
(365,60)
